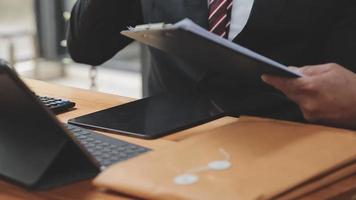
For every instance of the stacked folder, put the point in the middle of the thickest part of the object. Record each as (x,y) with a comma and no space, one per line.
(269,159)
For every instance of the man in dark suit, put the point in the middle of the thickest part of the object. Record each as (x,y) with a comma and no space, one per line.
(293,32)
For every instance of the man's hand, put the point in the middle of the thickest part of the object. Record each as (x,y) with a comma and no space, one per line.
(326,94)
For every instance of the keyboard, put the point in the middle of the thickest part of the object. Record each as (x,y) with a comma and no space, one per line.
(56,105)
(105,150)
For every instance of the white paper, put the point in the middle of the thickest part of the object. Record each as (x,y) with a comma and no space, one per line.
(190,26)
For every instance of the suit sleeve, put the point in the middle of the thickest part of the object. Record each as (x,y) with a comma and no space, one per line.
(341,39)
(94,30)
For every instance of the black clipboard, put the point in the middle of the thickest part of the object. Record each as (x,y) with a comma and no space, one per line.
(208,51)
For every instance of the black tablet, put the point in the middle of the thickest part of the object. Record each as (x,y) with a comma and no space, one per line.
(154,117)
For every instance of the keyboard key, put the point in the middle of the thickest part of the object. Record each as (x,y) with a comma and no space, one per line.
(114,152)
(107,162)
(98,147)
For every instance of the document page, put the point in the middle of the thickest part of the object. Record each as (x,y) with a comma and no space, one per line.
(189,25)
(204,50)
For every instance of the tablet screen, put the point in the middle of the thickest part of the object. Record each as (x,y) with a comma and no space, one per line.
(155,116)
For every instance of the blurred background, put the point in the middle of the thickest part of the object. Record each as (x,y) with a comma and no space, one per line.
(33,40)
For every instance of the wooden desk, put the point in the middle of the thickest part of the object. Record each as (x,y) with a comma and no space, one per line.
(87,102)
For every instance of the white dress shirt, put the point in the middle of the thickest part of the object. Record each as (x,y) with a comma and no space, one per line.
(241,10)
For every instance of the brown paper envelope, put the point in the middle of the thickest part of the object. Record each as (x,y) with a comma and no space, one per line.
(268,157)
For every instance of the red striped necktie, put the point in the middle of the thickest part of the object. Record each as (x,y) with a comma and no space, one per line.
(220,17)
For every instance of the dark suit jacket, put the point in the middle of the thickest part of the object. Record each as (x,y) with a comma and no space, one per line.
(293,32)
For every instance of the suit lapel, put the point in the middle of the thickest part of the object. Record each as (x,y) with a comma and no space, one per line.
(197,10)
(264,15)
